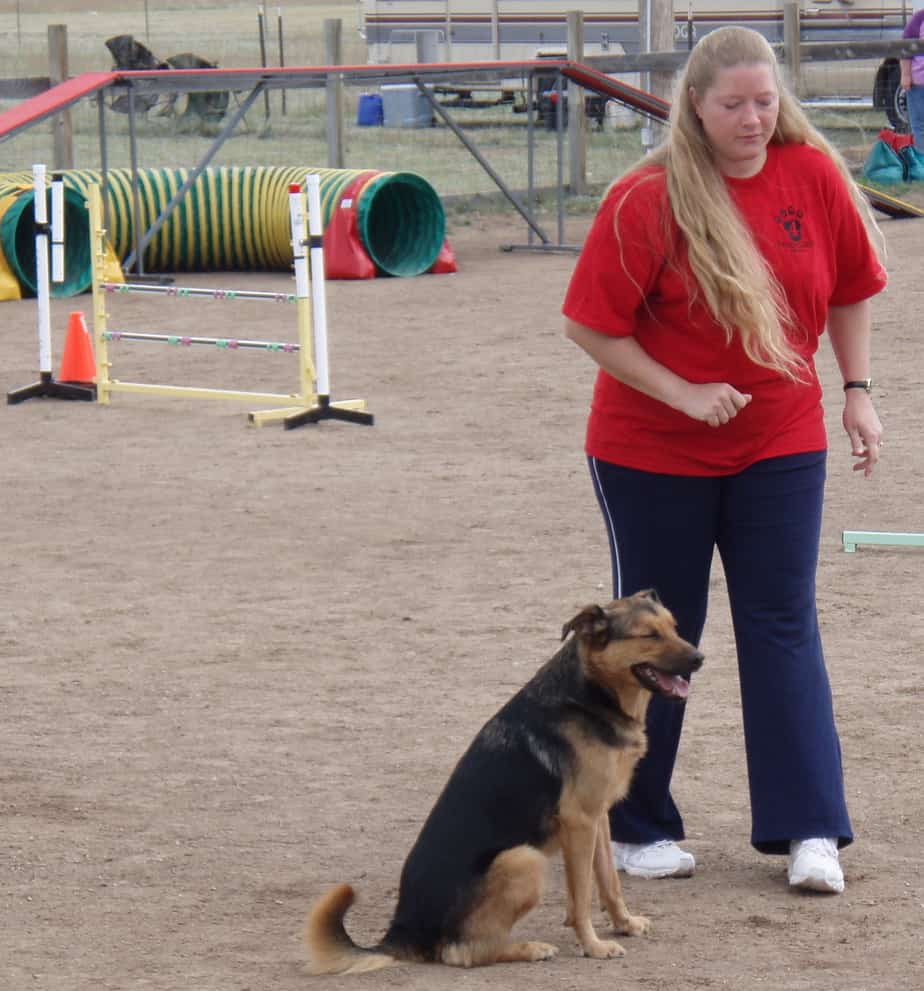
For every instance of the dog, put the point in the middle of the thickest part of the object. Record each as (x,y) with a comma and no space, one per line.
(539,777)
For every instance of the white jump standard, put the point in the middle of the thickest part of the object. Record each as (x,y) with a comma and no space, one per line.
(47,387)
(310,275)
(307,405)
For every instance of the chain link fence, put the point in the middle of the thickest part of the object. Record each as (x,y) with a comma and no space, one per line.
(290,127)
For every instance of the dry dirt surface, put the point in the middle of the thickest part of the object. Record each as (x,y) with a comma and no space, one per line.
(237,664)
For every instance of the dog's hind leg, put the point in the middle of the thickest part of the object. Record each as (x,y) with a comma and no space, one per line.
(526,952)
(510,890)
(610,887)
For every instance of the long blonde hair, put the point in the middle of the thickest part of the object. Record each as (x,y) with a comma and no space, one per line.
(741,292)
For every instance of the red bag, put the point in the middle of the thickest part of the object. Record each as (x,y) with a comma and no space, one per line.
(895,141)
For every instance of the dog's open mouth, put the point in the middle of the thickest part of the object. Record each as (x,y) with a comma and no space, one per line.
(673,686)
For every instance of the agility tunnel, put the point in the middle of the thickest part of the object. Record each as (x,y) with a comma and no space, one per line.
(233,219)
(17,240)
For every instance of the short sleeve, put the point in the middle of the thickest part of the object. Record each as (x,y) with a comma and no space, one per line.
(621,258)
(859,273)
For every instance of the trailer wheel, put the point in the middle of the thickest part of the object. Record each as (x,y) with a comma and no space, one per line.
(891,97)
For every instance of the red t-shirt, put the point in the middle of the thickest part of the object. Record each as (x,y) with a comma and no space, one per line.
(807,228)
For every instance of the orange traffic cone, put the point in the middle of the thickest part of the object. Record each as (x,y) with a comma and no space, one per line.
(78,363)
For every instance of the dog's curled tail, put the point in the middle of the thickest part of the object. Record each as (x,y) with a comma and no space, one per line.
(330,949)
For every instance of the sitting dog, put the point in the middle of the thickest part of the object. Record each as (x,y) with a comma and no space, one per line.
(539,777)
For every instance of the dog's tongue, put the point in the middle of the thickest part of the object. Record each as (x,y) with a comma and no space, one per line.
(676,686)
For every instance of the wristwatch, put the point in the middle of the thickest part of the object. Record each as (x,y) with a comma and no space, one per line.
(865,384)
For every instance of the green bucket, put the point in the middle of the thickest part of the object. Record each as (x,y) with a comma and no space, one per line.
(401,223)
(17,238)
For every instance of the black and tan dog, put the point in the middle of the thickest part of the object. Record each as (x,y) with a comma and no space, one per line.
(539,777)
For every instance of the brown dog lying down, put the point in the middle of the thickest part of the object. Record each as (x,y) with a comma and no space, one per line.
(539,777)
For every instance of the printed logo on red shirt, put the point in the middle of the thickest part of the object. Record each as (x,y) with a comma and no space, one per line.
(790,219)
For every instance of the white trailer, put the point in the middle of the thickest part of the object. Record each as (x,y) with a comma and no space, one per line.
(410,31)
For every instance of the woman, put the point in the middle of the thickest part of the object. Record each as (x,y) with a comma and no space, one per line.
(709,274)
(912,79)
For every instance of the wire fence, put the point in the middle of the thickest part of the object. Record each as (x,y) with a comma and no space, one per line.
(290,127)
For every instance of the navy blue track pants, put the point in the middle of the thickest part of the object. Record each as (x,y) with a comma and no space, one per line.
(765,522)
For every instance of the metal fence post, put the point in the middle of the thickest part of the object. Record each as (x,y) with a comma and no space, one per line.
(791,41)
(577,119)
(62,129)
(333,55)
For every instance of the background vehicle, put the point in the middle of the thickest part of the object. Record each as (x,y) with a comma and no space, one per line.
(889,96)
(401,31)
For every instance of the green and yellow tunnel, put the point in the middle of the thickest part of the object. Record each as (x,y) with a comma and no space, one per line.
(231,219)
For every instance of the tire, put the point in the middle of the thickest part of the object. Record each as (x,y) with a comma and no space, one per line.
(892,98)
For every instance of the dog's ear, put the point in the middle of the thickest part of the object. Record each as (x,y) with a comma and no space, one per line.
(591,625)
(651,593)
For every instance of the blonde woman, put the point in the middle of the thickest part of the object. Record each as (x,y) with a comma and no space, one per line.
(708,277)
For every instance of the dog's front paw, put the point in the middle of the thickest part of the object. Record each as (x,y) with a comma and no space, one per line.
(604,949)
(634,925)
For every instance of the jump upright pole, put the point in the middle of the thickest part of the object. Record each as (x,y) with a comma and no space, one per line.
(47,387)
(313,326)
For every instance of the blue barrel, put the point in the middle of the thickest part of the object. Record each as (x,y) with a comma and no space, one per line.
(370,112)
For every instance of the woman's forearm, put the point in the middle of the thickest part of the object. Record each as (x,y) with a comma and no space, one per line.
(627,361)
(849,331)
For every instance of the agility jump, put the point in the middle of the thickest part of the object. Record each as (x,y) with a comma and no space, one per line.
(311,403)
(47,386)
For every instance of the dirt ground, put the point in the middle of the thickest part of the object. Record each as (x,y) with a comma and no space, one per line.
(238,663)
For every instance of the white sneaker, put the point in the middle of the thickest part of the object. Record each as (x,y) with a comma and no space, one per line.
(662,858)
(814,866)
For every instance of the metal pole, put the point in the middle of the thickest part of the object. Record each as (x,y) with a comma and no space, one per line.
(229,126)
(136,193)
(261,26)
(333,91)
(282,54)
(791,30)
(530,150)
(103,156)
(560,153)
(476,154)
(62,126)
(647,133)
(495,31)
(577,118)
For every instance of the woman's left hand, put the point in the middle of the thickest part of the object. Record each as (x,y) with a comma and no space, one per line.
(864,430)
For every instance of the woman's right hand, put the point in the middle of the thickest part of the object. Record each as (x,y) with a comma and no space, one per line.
(714,403)
(627,361)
